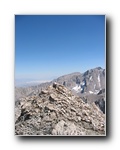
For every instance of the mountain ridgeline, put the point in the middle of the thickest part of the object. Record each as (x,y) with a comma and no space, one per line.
(90,86)
(72,104)
(90,82)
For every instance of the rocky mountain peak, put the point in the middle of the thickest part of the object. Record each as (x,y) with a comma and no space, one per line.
(56,111)
(89,82)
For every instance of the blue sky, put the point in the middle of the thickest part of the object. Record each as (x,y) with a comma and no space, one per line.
(48,46)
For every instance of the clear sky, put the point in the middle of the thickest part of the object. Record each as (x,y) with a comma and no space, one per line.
(48,46)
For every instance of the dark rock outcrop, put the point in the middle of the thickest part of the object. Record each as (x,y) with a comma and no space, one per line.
(101,104)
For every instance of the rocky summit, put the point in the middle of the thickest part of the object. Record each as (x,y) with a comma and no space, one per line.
(56,111)
(89,86)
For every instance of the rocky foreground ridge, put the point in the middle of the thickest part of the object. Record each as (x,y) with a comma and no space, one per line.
(56,111)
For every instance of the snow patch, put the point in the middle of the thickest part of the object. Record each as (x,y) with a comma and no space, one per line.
(90,92)
(83,83)
(82,89)
(77,88)
(96,92)
(99,80)
(91,78)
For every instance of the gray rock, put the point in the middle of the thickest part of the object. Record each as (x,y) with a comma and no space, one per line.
(66,115)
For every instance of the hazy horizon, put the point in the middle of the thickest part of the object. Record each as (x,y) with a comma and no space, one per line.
(24,82)
(48,46)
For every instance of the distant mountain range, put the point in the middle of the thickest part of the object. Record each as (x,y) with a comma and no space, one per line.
(89,82)
(72,104)
(90,86)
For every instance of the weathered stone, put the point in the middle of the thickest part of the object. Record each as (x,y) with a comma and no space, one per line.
(53,98)
(57,112)
(44,92)
(49,107)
